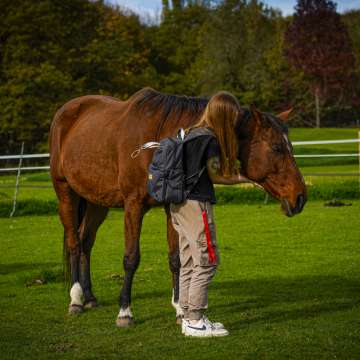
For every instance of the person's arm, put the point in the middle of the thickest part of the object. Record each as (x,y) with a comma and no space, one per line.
(213,168)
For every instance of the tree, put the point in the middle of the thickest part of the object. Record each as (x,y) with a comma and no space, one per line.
(39,42)
(242,52)
(54,50)
(317,43)
(352,21)
(116,60)
(175,46)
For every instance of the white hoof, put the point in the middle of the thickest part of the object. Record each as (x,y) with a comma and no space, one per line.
(77,295)
(75,309)
(125,318)
(124,322)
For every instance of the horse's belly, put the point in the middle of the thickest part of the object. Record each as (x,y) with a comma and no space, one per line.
(99,188)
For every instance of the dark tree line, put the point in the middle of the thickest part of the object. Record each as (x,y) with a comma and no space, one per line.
(317,43)
(54,50)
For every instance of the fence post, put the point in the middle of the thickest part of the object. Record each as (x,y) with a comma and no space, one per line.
(266,199)
(17,180)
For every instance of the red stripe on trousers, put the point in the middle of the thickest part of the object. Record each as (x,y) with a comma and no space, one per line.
(211,252)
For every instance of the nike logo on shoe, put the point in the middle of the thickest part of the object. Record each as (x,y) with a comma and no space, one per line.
(197,328)
(203,328)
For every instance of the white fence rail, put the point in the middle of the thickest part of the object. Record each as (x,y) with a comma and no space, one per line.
(23,156)
(326,155)
(322,142)
(25,168)
(294,143)
(26,156)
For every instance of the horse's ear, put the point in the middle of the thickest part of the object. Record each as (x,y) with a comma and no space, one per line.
(256,114)
(284,116)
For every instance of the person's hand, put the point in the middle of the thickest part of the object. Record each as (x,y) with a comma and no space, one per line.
(242,178)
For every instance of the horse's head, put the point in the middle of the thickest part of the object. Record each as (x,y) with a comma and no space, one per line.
(266,157)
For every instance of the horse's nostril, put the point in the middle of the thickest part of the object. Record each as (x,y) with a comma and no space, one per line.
(300,202)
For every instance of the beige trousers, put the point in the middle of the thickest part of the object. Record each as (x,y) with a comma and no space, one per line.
(196,270)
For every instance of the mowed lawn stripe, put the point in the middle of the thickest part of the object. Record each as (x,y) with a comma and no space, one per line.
(286,288)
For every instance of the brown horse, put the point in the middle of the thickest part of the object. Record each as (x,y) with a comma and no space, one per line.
(91,139)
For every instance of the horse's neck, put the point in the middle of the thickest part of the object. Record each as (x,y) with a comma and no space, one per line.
(170,126)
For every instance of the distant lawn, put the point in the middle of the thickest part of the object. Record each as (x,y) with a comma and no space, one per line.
(286,289)
(302,134)
(312,134)
(41,180)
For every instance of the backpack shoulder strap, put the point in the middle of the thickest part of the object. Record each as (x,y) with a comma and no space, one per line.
(193,179)
(201,131)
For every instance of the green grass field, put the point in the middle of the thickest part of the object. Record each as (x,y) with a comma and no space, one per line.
(286,289)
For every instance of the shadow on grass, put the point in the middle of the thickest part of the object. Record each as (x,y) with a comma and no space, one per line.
(6,269)
(296,297)
(279,299)
(267,300)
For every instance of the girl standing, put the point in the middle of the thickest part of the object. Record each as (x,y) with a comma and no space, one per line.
(216,156)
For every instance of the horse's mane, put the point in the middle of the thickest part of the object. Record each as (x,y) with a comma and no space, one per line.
(243,127)
(176,105)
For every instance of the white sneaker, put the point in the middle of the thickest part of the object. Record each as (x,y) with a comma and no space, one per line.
(216,325)
(203,328)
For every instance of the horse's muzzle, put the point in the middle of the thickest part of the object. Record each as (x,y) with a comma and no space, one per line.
(300,202)
(289,211)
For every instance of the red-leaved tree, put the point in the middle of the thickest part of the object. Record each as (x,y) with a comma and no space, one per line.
(317,43)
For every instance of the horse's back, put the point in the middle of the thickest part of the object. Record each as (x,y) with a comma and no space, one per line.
(71,111)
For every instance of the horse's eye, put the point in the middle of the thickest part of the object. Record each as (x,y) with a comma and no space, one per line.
(277,148)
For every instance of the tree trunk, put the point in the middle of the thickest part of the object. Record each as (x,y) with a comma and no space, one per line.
(317,107)
(165,9)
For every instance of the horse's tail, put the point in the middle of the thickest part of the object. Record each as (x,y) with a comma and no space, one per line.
(66,251)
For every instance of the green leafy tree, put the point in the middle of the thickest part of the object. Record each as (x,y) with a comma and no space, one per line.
(175,46)
(116,61)
(38,44)
(55,50)
(241,52)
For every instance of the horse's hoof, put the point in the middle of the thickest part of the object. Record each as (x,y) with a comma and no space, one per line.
(75,309)
(124,322)
(179,320)
(91,304)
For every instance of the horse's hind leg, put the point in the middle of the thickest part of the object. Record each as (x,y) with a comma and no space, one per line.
(94,217)
(69,215)
(174,264)
(134,213)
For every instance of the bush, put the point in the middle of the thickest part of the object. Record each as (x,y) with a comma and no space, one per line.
(29,207)
(346,190)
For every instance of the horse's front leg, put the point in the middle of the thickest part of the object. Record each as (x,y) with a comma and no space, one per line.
(174,264)
(134,213)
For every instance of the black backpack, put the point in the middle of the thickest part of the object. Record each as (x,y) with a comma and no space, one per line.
(167,180)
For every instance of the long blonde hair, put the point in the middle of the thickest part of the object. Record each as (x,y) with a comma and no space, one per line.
(220,116)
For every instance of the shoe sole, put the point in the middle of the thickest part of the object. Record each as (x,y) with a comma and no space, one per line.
(184,333)
(209,335)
